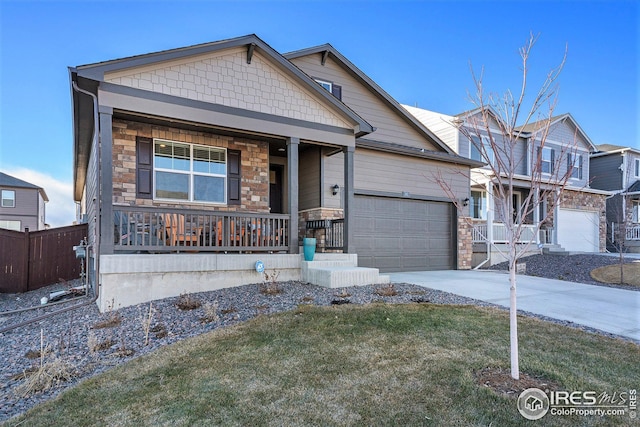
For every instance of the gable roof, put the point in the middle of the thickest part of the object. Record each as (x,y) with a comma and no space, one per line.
(327,49)
(609,149)
(97,70)
(535,127)
(12,181)
(85,80)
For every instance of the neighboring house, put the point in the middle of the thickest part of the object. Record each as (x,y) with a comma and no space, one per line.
(22,206)
(617,169)
(576,224)
(234,151)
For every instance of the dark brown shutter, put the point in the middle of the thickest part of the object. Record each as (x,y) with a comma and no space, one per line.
(233,177)
(144,167)
(336,91)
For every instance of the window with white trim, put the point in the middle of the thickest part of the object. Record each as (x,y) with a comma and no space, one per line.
(189,172)
(10,225)
(478,204)
(574,162)
(547,160)
(481,149)
(635,211)
(636,168)
(327,85)
(8,199)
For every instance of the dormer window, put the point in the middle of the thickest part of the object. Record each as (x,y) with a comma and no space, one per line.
(332,88)
(327,85)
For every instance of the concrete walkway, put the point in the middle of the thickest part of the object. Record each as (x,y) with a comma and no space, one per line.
(608,309)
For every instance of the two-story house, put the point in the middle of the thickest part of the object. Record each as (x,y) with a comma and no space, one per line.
(576,223)
(617,169)
(198,162)
(23,204)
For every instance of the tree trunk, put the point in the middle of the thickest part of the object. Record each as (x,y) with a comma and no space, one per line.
(513,322)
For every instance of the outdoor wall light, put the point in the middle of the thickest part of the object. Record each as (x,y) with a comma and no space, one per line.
(465,202)
(335,189)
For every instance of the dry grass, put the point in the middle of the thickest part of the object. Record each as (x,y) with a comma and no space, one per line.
(380,364)
(49,374)
(611,274)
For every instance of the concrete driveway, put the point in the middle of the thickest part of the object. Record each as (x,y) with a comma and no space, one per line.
(608,309)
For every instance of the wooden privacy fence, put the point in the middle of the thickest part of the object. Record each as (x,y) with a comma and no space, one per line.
(32,260)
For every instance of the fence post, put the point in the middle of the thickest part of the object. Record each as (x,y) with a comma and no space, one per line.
(27,260)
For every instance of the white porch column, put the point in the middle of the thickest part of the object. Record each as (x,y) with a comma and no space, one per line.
(489,214)
(536,213)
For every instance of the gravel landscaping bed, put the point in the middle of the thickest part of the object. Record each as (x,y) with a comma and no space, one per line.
(120,335)
(572,268)
(90,342)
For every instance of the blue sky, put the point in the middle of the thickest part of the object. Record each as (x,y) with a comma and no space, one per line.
(418,51)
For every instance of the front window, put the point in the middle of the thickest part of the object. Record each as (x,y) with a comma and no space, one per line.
(189,172)
(478,205)
(637,168)
(635,213)
(8,199)
(546,160)
(574,162)
(480,149)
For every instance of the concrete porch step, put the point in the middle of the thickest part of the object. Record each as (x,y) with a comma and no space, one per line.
(554,250)
(342,276)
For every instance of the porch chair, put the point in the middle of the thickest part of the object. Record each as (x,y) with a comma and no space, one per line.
(178,233)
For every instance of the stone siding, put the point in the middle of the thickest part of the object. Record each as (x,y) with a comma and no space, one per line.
(465,243)
(584,201)
(254,165)
(317,214)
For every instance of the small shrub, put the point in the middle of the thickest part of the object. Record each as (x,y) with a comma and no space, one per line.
(386,291)
(188,302)
(307,298)
(270,285)
(343,294)
(145,321)
(159,330)
(229,310)
(111,319)
(210,312)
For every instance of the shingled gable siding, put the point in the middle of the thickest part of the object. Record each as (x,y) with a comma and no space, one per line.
(225,78)
(254,170)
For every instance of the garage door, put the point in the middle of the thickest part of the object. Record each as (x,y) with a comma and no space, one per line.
(578,230)
(403,235)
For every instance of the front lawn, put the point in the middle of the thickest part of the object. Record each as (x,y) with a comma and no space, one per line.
(396,365)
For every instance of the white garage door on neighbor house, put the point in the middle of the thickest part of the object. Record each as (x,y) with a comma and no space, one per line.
(578,230)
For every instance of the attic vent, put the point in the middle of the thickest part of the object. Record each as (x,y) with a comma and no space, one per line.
(250,50)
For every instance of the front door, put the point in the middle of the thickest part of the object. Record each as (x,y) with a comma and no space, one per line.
(275,188)
(515,206)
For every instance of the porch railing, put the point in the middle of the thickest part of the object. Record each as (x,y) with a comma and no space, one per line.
(633,232)
(170,230)
(479,233)
(334,235)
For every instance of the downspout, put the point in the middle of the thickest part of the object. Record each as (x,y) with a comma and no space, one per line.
(96,287)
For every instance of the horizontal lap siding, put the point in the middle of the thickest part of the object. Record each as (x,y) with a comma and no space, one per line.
(390,126)
(309,179)
(605,173)
(376,171)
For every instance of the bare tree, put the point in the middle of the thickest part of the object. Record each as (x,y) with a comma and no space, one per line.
(497,128)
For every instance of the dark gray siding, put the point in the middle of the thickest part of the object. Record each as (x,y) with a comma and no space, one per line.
(605,173)
(309,178)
